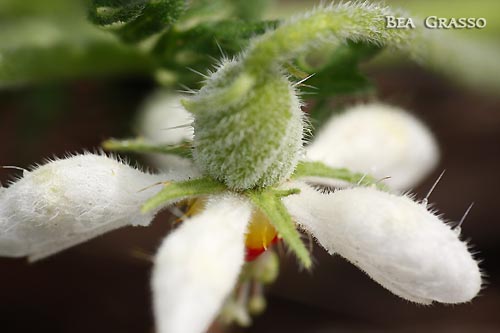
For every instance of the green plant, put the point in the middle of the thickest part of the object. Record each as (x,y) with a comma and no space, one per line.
(247,171)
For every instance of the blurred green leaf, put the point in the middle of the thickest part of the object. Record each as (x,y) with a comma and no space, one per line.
(341,73)
(135,20)
(249,10)
(197,47)
(338,74)
(217,10)
(16,9)
(37,49)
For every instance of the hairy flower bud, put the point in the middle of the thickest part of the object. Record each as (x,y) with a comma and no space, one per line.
(247,134)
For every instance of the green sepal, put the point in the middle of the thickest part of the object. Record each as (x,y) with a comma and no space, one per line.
(141,146)
(175,191)
(318,169)
(270,204)
(135,20)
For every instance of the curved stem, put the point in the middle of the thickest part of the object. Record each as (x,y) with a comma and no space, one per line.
(334,23)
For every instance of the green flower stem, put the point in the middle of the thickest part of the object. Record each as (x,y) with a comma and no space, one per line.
(318,169)
(140,146)
(175,191)
(269,202)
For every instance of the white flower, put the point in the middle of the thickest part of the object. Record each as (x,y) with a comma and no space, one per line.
(380,140)
(395,240)
(247,143)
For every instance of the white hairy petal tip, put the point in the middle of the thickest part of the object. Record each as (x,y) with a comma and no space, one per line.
(380,140)
(163,120)
(395,240)
(68,201)
(198,264)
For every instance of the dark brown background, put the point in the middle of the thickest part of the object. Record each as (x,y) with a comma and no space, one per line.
(101,286)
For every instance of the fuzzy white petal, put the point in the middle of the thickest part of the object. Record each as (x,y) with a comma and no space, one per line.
(163,120)
(396,241)
(380,140)
(159,114)
(198,264)
(68,201)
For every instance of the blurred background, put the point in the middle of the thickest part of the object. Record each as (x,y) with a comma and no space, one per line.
(103,285)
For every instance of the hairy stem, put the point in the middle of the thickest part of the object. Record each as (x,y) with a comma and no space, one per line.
(335,23)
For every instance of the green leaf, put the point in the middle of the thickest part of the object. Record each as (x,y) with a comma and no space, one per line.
(249,10)
(107,12)
(340,74)
(135,20)
(47,8)
(318,169)
(139,145)
(196,48)
(38,49)
(174,191)
(213,10)
(269,202)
